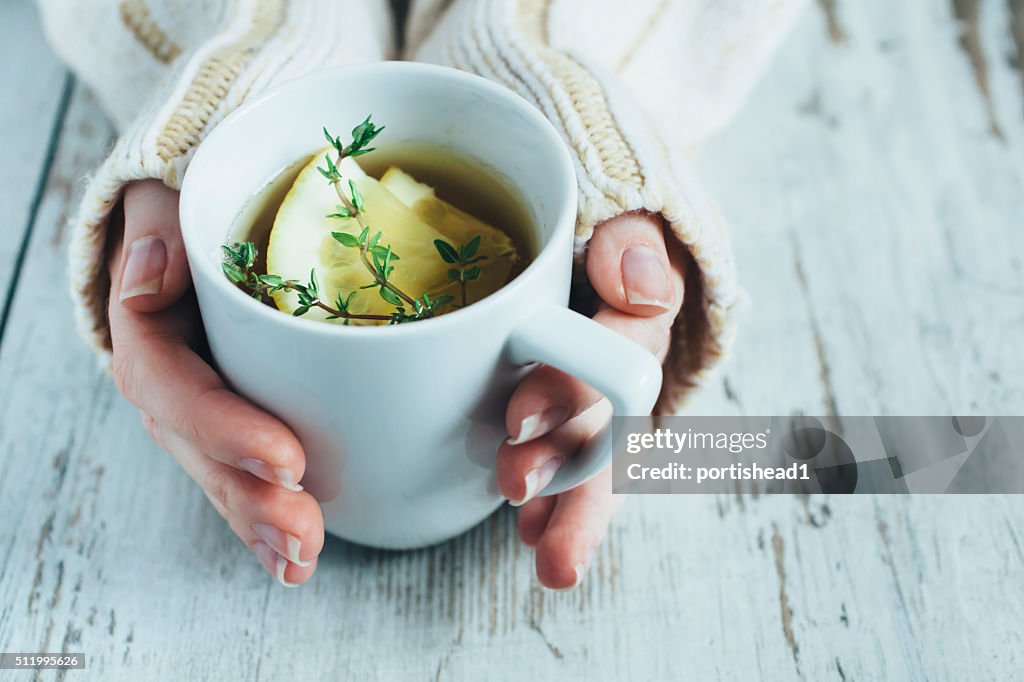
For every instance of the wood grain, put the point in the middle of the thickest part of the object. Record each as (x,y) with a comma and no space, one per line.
(876,220)
(33,88)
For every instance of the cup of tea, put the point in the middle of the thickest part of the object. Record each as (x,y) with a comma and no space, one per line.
(401,423)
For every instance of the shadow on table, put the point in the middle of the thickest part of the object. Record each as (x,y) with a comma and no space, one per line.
(337,551)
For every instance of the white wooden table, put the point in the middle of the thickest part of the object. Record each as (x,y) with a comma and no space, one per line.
(875,185)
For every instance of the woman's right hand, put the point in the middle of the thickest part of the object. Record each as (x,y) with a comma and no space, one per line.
(246,461)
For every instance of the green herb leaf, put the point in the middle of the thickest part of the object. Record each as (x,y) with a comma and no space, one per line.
(314,286)
(442,301)
(469,250)
(341,302)
(471,273)
(447,251)
(300,311)
(383,250)
(362,130)
(390,296)
(233,273)
(333,141)
(345,239)
(342,212)
(357,198)
(249,251)
(362,134)
(331,172)
(234,256)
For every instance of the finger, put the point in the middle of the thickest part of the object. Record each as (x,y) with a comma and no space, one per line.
(544,400)
(153,270)
(160,374)
(525,470)
(652,333)
(283,529)
(533,518)
(574,532)
(548,397)
(629,267)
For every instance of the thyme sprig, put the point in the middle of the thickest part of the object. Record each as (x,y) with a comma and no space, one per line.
(378,258)
(238,264)
(371,253)
(464,258)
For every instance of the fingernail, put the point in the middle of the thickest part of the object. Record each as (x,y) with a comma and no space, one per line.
(581,570)
(273,562)
(285,544)
(286,479)
(277,475)
(645,279)
(537,479)
(539,423)
(144,268)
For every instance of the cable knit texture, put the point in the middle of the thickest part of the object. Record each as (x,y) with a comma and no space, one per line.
(628,91)
(562,55)
(173,102)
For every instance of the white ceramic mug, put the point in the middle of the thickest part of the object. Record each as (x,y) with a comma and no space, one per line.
(401,425)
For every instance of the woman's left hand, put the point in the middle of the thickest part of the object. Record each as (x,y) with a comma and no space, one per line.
(639,278)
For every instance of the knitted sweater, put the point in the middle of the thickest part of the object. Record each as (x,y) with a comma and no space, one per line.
(630,86)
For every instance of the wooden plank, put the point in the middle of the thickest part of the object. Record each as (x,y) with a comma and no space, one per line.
(33,88)
(107,547)
(877,219)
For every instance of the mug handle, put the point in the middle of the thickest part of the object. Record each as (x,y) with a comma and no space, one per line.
(627,374)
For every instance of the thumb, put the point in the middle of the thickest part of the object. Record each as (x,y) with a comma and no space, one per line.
(628,265)
(153,272)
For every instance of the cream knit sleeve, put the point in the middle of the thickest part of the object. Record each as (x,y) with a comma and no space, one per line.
(168,71)
(630,86)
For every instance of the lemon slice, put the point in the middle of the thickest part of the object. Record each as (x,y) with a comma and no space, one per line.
(459,227)
(301,240)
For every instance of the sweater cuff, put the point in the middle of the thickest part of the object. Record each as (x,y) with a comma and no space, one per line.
(622,165)
(262,43)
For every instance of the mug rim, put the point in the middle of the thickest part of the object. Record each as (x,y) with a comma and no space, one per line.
(203,266)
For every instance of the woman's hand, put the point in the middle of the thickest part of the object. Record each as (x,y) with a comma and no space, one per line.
(246,461)
(640,281)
